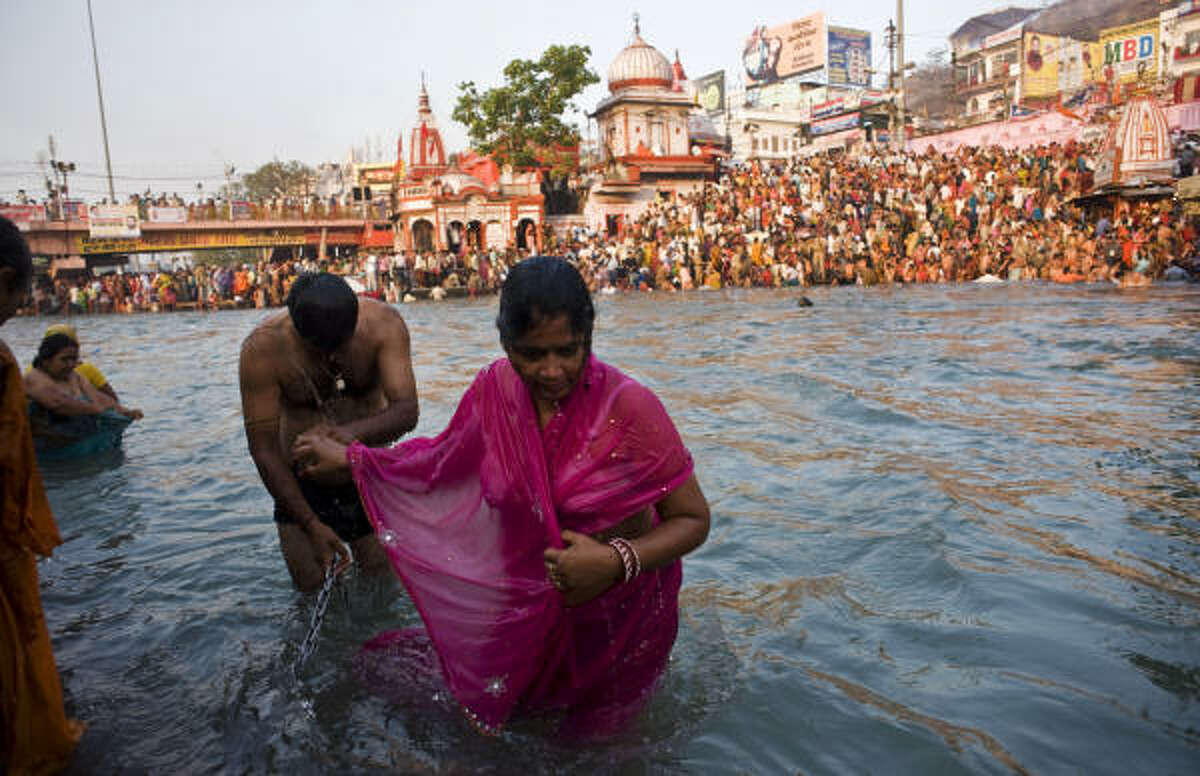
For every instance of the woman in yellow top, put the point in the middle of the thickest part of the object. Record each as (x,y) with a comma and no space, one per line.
(55,383)
(85,369)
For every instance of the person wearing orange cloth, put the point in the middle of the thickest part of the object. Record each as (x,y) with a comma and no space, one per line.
(36,736)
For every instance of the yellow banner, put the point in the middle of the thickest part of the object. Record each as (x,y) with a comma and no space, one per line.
(1130,52)
(1039,64)
(185,241)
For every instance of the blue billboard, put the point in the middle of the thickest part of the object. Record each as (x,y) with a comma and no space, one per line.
(849,57)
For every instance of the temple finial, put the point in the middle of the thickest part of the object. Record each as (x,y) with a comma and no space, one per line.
(637,24)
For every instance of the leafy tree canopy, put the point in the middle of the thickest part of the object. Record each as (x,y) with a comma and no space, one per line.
(520,123)
(279,179)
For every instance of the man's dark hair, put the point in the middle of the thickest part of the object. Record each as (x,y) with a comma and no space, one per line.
(51,346)
(542,287)
(14,252)
(324,309)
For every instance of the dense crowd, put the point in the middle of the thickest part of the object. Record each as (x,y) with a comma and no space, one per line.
(877,216)
(885,217)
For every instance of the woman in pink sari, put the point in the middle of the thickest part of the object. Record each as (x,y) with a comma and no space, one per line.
(540,534)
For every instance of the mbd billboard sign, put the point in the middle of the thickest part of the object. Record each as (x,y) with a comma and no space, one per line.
(1130,52)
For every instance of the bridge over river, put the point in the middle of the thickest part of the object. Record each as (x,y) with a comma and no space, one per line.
(59,240)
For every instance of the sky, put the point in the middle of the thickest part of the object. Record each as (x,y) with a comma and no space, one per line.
(192,88)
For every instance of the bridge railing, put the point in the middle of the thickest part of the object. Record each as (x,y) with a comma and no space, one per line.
(234,211)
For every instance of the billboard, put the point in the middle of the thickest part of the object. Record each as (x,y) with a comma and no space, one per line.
(710,92)
(119,221)
(1130,52)
(1079,65)
(774,53)
(835,124)
(849,56)
(1039,64)
(786,94)
(1051,65)
(159,214)
(24,216)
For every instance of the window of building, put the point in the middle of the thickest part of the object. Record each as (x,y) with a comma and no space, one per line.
(658,143)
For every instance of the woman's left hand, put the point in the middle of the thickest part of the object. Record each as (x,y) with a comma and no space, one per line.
(582,570)
(319,454)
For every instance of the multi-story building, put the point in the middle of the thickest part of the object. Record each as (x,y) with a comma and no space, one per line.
(985,53)
(647,146)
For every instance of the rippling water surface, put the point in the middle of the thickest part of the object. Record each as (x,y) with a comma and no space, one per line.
(955,530)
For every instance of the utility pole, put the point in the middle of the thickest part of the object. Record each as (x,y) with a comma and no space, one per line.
(112,194)
(891,85)
(58,190)
(900,56)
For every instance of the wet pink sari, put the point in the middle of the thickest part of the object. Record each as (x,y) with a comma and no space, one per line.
(465,517)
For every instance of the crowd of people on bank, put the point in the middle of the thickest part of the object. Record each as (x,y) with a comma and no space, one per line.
(885,217)
(876,216)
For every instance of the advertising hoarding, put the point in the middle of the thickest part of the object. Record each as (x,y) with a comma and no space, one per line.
(157,214)
(1039,64)
(849,56)
(1079,65)
(835,124)
(787,94)
(1051,65)
(23,216)
(1130,52)
(771,54)
(114,221)
(710,92)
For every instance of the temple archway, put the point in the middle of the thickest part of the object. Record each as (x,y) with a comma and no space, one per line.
(454,236)
(526,234)
(474,235)
(422,235)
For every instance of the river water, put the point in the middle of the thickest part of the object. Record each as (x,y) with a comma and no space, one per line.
(955,530)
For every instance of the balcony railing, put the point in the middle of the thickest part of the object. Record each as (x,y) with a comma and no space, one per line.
(973,85)
(199,213)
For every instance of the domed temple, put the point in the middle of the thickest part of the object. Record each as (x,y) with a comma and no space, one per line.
(653,143)
(463,202)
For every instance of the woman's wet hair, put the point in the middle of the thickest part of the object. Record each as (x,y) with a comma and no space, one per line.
(51,346)
(543,287)
(324,309)
(14,253)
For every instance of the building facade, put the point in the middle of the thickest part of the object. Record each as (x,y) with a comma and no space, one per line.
(648,146)
(440,206)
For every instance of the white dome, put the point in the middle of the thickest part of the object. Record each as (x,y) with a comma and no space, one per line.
(640,64)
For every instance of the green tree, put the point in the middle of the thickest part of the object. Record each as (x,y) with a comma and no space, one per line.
(520,123)
(279,179)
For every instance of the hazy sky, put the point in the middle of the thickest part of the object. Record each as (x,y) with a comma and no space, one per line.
(192,86)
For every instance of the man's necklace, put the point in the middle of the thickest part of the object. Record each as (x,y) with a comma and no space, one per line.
(337,373)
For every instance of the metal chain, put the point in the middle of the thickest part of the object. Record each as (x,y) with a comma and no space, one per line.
(310,639)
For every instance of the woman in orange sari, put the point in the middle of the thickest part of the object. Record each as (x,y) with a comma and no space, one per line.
(35,734)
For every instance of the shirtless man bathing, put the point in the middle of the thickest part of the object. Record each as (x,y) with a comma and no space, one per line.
(331,360)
